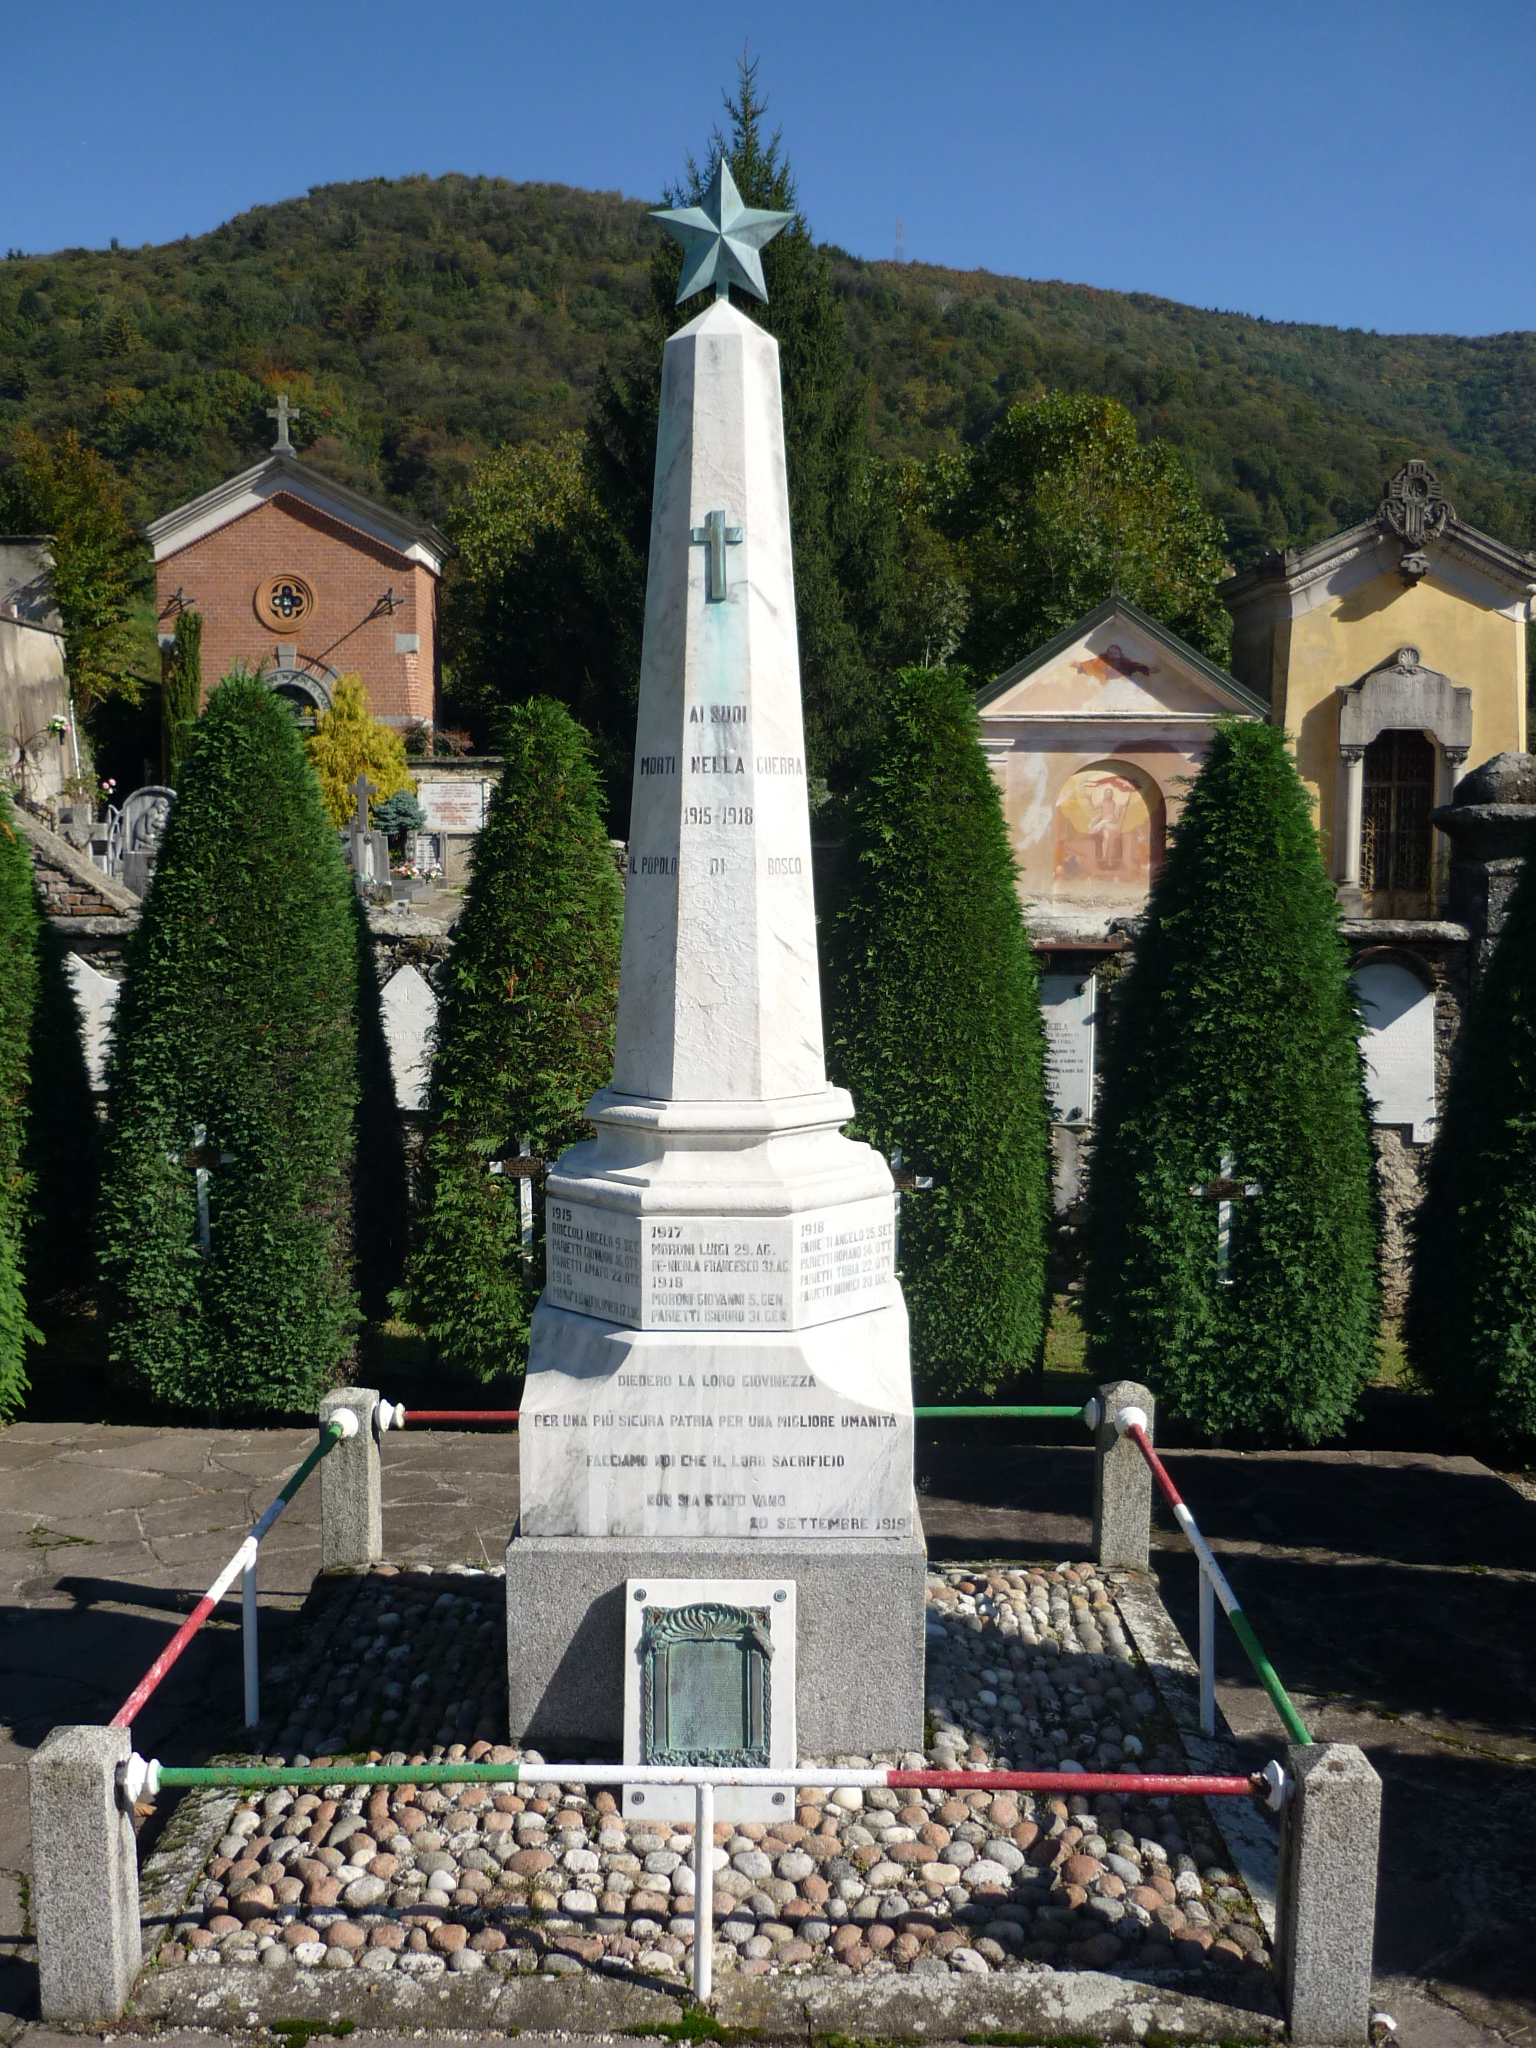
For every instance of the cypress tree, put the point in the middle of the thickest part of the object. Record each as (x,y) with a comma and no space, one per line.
(1235,1036)
(20,919)
(181,694)
(63,1147)
(1471,1322)
(237,1017)
(525,1034)
(934,1015)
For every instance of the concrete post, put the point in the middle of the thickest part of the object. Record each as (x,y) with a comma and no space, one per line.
(1122,1485)
(1326,1908)
(351,1509)
(85,1883)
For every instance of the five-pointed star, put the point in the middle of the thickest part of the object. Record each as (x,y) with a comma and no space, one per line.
(721,239)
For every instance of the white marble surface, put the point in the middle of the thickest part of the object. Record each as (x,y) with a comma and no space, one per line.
(1067,1004)
(410,1026)
(1399,1046)
(775,1600)
(96,997)
(652,1432)
(721,1349)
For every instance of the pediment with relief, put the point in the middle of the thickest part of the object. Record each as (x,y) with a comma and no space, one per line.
(1116,664)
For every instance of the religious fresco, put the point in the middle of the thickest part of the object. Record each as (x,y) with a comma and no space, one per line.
(1108,834)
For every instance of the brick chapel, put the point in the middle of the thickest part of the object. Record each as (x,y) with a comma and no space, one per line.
(306,580)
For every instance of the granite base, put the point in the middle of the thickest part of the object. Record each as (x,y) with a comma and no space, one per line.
(860,1654)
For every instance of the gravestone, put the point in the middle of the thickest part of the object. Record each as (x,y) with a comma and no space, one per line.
(367,850)
(718,1380)
(1067,1005)
(1490,822)
(137,833)
(1399,1046)
(96,997)
(410,1022)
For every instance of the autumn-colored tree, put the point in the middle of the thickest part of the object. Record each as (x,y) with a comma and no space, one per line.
(349,741)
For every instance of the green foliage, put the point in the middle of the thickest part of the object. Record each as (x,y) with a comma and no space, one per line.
(63,1148)
(100,563)
(399,813)
(239,1014)
(1062,504)
(525,1034)
(935,1027)
(1471,1323)
(349,741)
(420,322)
(20,919)
(181,694)
(1236,1033)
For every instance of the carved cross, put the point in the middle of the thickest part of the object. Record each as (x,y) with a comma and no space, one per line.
(202,1159)
(715,536)
(282,413)
(1224,1192)
(362,789)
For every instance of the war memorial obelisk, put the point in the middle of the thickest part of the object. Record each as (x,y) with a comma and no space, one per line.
(718,1381)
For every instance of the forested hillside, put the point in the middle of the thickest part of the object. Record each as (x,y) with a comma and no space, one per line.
(418,323)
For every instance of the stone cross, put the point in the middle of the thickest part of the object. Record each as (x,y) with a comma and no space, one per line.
(524,1169)
(909,1183)
(202,1158)
(1224,1192)
(716,537)
(362,789)
(282,414)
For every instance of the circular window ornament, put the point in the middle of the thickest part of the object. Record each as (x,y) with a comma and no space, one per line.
(284,601)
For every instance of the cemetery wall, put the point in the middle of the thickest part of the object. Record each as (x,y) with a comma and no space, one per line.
(1432,963)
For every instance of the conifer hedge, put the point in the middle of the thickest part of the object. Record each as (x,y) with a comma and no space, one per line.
(181,694)
(20,919)
(525,1035)
(1236,1032)
(934,1024)
(238,1013)
(1471,1322)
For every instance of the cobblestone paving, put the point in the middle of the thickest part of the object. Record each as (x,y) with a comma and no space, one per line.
(1027,1668)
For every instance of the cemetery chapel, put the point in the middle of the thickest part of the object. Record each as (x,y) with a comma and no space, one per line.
(1394,656)
(306,580)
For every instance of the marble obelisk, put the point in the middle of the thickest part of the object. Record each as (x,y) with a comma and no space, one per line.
(718,1378)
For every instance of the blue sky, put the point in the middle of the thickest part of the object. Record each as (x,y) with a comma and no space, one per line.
(1360,162)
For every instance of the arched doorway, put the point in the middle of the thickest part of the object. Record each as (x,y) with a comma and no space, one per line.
(306,691)
(1396,834)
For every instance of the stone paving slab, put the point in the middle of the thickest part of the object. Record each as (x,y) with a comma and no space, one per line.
(1394,1592)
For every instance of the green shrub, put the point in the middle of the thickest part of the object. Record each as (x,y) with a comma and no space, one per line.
(1235,1033)
(1471,1322)
(63,1148)
(934,1015)
(20,919)
(238,1014)
(525,1034)
(181,694)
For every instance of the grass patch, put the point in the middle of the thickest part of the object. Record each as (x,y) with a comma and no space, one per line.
(41,1537)
(1066,1341)
(695,2025)
(294,2033)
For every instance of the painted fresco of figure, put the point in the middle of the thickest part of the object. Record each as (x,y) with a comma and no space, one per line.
(1108,836)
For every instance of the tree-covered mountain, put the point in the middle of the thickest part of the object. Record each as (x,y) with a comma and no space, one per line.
(419,322)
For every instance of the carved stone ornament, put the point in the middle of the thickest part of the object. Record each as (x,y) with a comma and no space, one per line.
(705,1689)
(1416,510)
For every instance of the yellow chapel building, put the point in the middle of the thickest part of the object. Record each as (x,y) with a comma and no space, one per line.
(1394,655)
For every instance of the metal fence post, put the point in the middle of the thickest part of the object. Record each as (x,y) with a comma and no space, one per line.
(351,1509)
(1207,1654)
(1122,1485)
(85,1882)
(1330,1831)
(704,1893)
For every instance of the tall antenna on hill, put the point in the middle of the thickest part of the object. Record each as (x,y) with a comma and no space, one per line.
(901,245)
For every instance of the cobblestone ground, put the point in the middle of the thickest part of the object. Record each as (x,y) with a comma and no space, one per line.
(1026,1668)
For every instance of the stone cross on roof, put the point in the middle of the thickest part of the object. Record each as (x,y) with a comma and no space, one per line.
(282,413)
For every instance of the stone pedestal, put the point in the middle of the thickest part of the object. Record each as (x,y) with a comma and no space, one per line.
(718,1378)
(859,1657)
(1491,823)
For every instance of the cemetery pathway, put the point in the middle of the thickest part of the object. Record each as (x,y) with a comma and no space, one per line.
(1395,1592)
